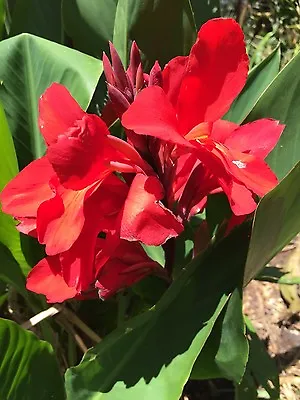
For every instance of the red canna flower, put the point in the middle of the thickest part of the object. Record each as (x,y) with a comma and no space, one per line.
(113,271)
(70,195)
(185,112)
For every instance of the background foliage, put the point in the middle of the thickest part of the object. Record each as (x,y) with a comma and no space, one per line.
(149,339)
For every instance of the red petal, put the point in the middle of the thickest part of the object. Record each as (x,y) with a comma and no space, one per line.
(128,265)
(80,156)
(22,196)
(253,172)
(241,199)
(103,205)
(152,114)
(45,278)
(60,220)
(216,73)
(257,138)
(58,110)
(222,129)
(173,74)
(144,218)
(27,226)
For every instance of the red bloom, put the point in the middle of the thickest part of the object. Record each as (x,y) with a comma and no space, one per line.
(197,91)
(128,264)
(70,195)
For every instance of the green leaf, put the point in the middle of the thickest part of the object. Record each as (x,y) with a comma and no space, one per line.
(2,18)
(275,275)
(217,211)
(90,23)
(281,101)
(146,21)
(9,236)
(28,368)
(184,246)
(259,79)
(10,271)
(204,10)
(276,222)
(156,253)
(151,357)
(28,65)
(225,353)
(261,370)
(41,18)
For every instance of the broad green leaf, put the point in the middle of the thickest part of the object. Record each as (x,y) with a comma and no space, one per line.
(121,30)
(146,21)
(276,222)
(281,101)
(261,370)
(28,65)
(259,79)
(28,368)
(41,18)
(225,353)
(9,236)
(151,357)
(204,10)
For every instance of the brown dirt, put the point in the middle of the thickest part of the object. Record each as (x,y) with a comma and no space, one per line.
(275,313)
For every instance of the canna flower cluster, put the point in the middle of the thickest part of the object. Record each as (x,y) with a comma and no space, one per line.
(93,199)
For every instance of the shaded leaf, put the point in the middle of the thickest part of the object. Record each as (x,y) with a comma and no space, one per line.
(204,10)
(10,271)
(28,368)
(225,353)
(2,18)
(275,275)
(159,347)
(259,79)
(127,20)
(281,101)
(41,18)
(276,222)
(81,20)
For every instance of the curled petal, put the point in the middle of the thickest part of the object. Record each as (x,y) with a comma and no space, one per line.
(127,266)
(58,110)
(240,199)
(80,156)
(144,218)
(45,278)
(60,220)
